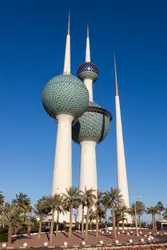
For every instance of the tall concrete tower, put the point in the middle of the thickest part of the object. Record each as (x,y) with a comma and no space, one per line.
(90,129)
(121,163)
(65,98)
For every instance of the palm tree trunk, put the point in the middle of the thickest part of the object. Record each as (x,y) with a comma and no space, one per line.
(97,225)
(52,225)
(113,221)
(57,223)
(40,229)
(70,226)
(90,222)
(25,216)
(123,222)
(87,222)
(136,224)
(82,221)
(118,226)
(139,221)
(15,230)
(153,227)
(29,230)
(9,235)
(106,218)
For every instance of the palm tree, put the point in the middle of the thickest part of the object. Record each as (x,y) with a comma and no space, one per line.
(105,203)
(23,203)
(123,209)
(71,199)
(1,207)
(140,209)
(160,207)
(132,212)
(82,201)
(55,203)
(90,198)
(1,198)
(119,216)
(153,211)
(41,210)
(165,214)
(12,217)
(92,217)
(115,199)
(99,210)
(29,222)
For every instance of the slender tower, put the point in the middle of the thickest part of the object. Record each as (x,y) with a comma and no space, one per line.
(121,164)
(91,128)
(88,81)
(65,98)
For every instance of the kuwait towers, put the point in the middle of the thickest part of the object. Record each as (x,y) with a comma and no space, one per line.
(121,164)
(65,98)
(69,100)
(91,128)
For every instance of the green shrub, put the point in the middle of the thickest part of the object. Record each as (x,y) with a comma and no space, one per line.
(34,229)
(4,237)
(3,230)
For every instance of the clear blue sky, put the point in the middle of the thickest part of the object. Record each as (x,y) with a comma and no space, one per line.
(32,43)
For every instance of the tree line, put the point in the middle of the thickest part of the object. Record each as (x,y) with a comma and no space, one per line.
(20,213)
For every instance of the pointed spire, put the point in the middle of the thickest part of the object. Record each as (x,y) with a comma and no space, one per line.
(115,77)
(87,57)
(87,30)
(68,23)
(67,58)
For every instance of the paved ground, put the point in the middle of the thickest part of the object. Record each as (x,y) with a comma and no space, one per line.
(77,238)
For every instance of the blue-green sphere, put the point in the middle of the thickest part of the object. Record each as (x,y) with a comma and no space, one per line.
(92,125)
(65,94)
(88,70)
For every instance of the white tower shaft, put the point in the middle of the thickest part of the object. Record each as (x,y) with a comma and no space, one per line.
(88,171)
(89,85)
(121,163)
(62,173)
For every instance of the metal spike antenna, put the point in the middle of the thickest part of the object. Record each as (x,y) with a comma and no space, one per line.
(68,23)
(87,57)
(115,76)
(87,30)
(67,58)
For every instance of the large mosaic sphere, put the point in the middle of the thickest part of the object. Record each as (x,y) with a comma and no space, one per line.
(88,70)
(65,94)
(93,125)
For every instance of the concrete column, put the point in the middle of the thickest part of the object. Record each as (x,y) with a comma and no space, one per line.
(62,173)
(121,164)
(88,171)
(89,85)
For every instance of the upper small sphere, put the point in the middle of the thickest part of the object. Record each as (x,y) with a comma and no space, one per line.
(88,70)
(93,125)
(65,94)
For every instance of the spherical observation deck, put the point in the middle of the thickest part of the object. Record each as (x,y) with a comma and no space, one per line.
(93,125)
(88,70)
(65,94)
